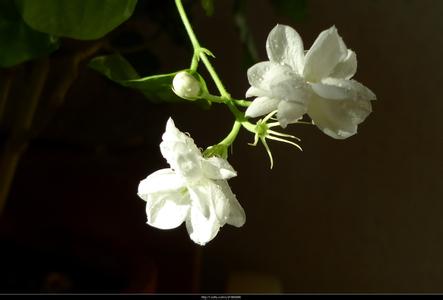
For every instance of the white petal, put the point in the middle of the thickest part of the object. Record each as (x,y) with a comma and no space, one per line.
(181,152)
(200,194)
(256,73)
(346,68)
(293,88)
(188,164)
(338,118)
(264,74)
(262,106)
(326,52)
(284,46)
(160,181)
(208,197)
(290,112)
(255,92)
(171,132)
(172,135)
(200,228)
(341,89)
(217,168)
(209,211)
(221,207)
(167,210)
(237,216)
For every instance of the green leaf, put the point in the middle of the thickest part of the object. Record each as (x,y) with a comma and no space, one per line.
(19,42)
(115,67)
(208,6)
(157,88)
(295,9)
(78,19)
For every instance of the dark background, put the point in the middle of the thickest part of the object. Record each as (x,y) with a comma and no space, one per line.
(360,215)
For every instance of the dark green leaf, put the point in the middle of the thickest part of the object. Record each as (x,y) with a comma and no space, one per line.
(295,9)
(115,67)
(18,41)
(157,88)
(208,6)
(78,19)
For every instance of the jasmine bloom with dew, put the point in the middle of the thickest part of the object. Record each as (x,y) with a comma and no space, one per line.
(193,190)
(317,83)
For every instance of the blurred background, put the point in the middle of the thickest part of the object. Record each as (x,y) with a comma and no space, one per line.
(359,215)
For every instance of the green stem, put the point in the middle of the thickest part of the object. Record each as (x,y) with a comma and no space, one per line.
(214,99)
(230,138)
(199,52)
(243,103)
(239,116)
(187,24)
(215,78)
(219,99)
(194,63)
(249,126)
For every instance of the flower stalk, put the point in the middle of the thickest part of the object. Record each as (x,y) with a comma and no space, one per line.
(200,53)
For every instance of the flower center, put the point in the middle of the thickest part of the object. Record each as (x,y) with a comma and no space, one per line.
(261,128)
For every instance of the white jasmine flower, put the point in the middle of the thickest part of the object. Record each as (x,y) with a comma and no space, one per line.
(186,86)
(317,83)
(194,190)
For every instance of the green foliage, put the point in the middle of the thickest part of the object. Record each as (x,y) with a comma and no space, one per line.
(295,9)
(156,88)
(18,41)
(78,19)
(208,6)
(115,67)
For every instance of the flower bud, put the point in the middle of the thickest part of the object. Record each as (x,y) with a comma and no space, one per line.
(186,86)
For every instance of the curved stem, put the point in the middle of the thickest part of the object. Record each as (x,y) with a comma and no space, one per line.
(239,116)
(215,78)
(199,53)
(249,127)
(202,54)
(244,103)
(230,138)
(187,24)
(219,99)
(214,99)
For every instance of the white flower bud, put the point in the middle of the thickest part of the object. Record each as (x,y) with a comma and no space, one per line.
(186,86)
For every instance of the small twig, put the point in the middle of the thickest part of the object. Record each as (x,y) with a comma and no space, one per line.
(17,142)
(6,79)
